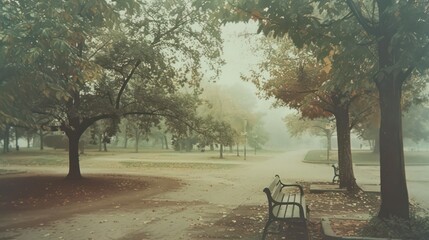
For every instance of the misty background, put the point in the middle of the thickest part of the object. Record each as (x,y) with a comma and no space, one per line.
(240,57)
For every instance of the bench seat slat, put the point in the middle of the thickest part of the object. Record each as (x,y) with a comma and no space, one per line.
(290,210)
(287,211)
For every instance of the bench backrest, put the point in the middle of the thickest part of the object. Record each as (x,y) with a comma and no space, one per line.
(275,187)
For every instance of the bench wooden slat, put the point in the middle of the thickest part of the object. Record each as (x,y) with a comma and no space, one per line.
(277,194)
(274,183)
(289,210)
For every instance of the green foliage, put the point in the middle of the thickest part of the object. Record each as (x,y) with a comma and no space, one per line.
(416,227)
(415,123)
(318,127)
(224,114)
(257,136)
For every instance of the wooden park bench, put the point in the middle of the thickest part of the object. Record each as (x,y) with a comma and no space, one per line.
(285,206)
(336,173)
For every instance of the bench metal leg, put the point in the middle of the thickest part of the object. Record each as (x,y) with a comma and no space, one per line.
(307,235)
(264,234)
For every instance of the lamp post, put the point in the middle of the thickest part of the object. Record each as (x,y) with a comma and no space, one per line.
(245,137)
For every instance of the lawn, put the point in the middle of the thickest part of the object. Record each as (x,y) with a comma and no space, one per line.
(128,158)
(365,157)
(35,158)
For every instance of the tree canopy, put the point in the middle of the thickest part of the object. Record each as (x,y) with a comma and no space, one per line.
(77,62)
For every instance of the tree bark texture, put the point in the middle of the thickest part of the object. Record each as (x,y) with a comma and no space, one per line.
(74,167)
(6,139)
(41,135)
(16,139)
(394,193)
(166,141)
(345,163)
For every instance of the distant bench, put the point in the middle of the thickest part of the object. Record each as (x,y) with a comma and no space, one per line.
(336,173)
(285,206)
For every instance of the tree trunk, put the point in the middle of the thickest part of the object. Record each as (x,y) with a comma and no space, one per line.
(221,151)
(137,135)
(41,135)
(329,133)
(100,142)
(238,150)
(376,147)
(394,193)
(329,139)
(371,145)
(16,139)
(6,140)
(126,136)
(28,141)
(162,142)
(166,142)
(74,167)
(345,164)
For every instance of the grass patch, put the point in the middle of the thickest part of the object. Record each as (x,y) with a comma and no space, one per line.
(320,156)
(365,157)
(43,160)
(132,164)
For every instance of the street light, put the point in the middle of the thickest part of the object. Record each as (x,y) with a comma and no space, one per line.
(245,137)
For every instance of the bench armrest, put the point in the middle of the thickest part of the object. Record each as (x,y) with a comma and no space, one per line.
(301,190)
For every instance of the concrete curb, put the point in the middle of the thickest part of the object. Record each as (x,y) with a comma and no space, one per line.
(329,234)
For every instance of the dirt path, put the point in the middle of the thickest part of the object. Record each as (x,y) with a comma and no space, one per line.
(179,206)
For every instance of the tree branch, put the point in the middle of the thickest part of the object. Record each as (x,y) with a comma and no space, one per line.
(180,20)
(124,84)
(99,48)
(405,74)
(361,115)
(360,18)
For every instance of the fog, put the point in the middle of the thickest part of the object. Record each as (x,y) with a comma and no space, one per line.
(240,58)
